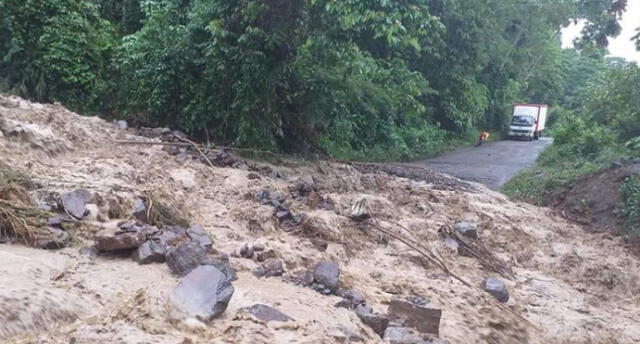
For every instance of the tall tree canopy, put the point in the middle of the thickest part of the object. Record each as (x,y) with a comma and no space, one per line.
(354,78)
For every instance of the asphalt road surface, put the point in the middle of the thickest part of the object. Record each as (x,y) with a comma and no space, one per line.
(492,164)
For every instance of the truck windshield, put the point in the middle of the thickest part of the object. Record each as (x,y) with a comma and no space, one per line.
(522,120)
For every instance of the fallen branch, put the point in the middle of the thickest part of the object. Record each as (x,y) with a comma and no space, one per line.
(195,145)
(431,257)
(153,143)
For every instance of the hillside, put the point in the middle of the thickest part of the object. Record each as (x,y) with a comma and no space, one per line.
(566,285)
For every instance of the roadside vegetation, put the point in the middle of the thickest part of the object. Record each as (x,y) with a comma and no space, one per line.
(355,79)
(599,128)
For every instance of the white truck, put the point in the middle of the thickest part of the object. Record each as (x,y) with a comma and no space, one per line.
(528,121)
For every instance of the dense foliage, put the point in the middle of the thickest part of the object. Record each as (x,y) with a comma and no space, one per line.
(600,125)
(363,79)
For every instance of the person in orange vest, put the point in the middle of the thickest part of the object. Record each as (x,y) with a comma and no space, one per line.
(484,136)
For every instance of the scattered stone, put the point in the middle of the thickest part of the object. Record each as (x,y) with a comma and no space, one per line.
(116,211)
(351,299)
(89,252)
(108,240)
(344,335)
(185,257)
(264,255)
(204,293)
(319,244)
(55,239)
(467,229)
(360,210)
(403,335)
(267,314)
(258,247)
(451,243)
(282,213)
(74,202)
(140,211)
(304,186)
(198,235)
(272,267)
(416,313)
(253,176)
(57,221)
(151,251)
(377,322)
(328,274)
(246,251)
(496,288)
(122,125)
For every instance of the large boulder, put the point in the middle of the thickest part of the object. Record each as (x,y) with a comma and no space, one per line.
(496,288)
(267,314)
(377,322)
(416,313)
(185,257)
(328,274)
(204,293)
(74,203)
(119,239)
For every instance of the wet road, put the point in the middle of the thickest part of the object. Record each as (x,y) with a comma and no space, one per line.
(492,164)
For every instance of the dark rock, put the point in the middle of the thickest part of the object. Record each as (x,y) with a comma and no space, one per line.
(221,262)
(114,240)
(377,322)
(402,335)
(496,288)
(74,202)
(204,293)
(264,255)
(351,299)
(58,220)
(185,257)
(55,238)
(467,229)
(140,211)
(272,267)
(116,210)
(253,176)
(327,273)
(267,314)
(198,235)
(282,214)
(246,251)
(417,314)
(258,247)
(151,251)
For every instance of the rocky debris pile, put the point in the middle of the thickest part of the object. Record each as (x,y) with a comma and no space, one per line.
(286,218)
(496,288)
(270,266)
(467,229)
(403,318)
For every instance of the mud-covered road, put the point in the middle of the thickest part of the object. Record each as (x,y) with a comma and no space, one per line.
(492,164)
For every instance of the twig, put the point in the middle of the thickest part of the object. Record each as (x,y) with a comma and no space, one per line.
(153,143)
(430,256)
(195,145)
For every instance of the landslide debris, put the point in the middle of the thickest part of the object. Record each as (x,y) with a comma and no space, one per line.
(279,254)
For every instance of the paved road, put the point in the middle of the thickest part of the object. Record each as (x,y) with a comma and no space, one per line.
(492,164)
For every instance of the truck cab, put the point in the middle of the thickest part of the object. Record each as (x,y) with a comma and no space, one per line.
(528,121)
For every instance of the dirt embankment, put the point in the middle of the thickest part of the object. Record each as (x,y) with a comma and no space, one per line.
(594,200)
(565,285)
